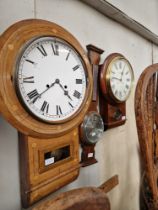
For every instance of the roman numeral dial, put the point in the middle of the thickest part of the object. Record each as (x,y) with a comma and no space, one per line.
(42,50)
(120,78)
(33,94)
(58,110)
(55,49)
(76,94)
(45,107)
(28,79)
(51,79)
(78,81)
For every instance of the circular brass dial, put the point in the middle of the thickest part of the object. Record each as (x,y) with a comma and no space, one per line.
(116,78)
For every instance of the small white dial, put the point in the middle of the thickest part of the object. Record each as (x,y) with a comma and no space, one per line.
(51,79)
(120,78)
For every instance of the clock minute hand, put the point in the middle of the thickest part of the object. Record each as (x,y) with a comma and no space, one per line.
(39,95)
(65,92)
(47,89)
(122,72)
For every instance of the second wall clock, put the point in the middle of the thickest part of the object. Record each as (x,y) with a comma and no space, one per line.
(116,79)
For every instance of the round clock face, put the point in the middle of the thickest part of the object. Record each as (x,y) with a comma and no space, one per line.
(93,127)
(120,78)
(50,79)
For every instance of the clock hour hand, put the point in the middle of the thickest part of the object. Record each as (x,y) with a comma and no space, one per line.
(117,78)
(123,71)
(66,93)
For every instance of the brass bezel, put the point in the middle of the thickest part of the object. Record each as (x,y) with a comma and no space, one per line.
(107,78)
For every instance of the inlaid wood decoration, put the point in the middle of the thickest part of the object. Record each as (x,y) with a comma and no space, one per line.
(116,79)
(146,110)
(45,91)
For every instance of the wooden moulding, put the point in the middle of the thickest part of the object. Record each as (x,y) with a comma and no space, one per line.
(114,13)
(38,180)
(12,40)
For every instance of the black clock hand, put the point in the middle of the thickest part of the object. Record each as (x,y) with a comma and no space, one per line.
(123,71)
(66,93)
(117,78)
(39,95)
(47,88)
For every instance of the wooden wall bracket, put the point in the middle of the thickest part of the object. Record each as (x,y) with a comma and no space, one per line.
(113,115)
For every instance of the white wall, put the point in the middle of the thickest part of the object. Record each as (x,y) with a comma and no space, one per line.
(143,11)
(118,150)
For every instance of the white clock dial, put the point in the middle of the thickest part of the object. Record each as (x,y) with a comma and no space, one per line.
(120,78)
(51,79)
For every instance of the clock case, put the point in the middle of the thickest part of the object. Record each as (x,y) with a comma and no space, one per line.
(112,110)
(88,149)
(37,139)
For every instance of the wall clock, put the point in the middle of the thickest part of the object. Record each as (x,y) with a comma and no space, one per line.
(116,79)
(45,90)
(92,126)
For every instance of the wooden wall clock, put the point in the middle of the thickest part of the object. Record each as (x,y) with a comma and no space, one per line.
(92,126)
(116,79)
(45,91)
